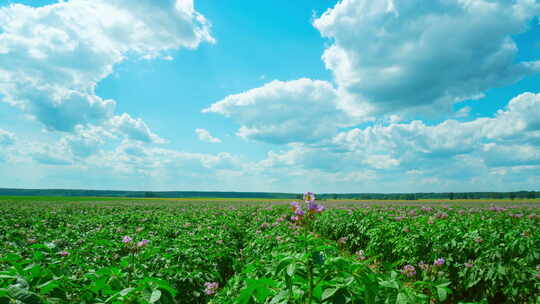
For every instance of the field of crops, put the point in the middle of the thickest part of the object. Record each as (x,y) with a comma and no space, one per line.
(69,250)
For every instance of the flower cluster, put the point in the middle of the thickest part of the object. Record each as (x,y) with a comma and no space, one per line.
(128,241)
(409,270)
(439,262)
(312,207)
(211,288)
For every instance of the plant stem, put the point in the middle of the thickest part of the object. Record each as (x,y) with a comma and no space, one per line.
(310,281)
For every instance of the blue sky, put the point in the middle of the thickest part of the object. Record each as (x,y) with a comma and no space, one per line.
(328,96)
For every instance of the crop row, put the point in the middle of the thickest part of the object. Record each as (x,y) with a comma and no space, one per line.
(117,254)
(490,254)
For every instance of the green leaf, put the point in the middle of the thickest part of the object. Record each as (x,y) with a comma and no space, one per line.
(389,284)
(281,297)
(155,296)
(291,269)
(328,293)
(3,276)
(23,295)
(48,286)
(442,293)
(126,291)
(401,298)
(282,264)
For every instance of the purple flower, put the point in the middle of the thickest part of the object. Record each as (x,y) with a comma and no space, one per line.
(409,270)
(211,288)
(299,211)
(63,253)
(126,239)
(309,197)
(315,208)
(399,218)
(142,243)
(439,262)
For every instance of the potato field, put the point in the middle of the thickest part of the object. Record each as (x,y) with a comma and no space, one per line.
(94,250)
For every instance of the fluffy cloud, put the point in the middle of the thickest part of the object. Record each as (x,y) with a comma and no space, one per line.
(391,59)
(410,56)
(302,110)
(450,149)
(134,129)
(52,57)
(204,135)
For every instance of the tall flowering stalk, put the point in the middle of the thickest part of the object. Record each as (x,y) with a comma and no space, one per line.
(133,248)
(303,216)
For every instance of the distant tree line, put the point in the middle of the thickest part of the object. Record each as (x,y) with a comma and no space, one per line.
(433,195)
(203,194)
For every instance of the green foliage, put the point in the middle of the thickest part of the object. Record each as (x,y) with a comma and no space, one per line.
(71,251)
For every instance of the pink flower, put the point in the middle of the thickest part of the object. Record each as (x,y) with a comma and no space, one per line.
(126,239)
(63,253)
(142,243)
(211,288)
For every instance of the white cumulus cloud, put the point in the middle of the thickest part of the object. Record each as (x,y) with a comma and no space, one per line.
(204,135)
(412,56)
(52,57)
(134,129)
(302,110)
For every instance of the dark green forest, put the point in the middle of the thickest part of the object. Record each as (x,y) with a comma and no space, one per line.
(323,196)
